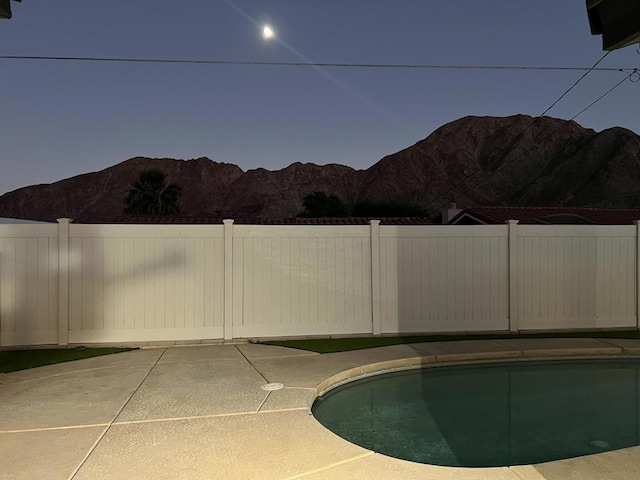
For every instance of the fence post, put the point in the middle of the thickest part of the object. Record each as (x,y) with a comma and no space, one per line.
(228,279)
(375,277)
(512,273)
(637,224)
(63,281)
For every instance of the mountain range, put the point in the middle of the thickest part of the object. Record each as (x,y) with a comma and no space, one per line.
(516,160)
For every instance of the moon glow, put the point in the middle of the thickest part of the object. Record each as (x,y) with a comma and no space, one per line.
(267,32)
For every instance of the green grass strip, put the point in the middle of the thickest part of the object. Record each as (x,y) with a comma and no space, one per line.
(14,360)
(332,345)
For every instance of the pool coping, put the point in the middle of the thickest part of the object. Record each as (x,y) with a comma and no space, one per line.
(609,349)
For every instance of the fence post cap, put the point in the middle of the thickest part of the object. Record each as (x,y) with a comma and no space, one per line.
(64,220)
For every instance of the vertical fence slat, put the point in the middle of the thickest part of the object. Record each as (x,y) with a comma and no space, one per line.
(375,277)
(228,279)
(63,281)
(513,275)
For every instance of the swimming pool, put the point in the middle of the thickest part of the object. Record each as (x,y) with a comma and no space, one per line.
(491,414)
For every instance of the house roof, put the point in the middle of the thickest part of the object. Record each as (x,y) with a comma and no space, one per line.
(618,21)
(13,221)
(178,220)
(538,215)
(5,8)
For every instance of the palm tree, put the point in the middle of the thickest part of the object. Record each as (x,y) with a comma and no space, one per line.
(149,195)
(319,205)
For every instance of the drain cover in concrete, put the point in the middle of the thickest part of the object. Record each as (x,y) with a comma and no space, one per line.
(269,387)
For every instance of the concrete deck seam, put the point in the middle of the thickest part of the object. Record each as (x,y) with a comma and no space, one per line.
(515,472)
(522,476)
(204,417)
(569,351)
(624,350)
(99,439)
(605,340)
(333,465)
(50,429)
(180,419)
(91,449)
(264,400)
(250,363)
(290,409)
(505,345)
(472,358)
(61,374)
(311,354)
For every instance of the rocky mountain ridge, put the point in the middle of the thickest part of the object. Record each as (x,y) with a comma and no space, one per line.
(515,160)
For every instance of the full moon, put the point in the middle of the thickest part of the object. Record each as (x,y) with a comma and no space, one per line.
(267,32)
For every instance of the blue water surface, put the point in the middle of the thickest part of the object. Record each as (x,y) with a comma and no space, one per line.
(490,415)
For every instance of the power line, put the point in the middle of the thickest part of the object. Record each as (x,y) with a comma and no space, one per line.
(313,64)
(629,77)
(529,126)
(595,65)
(564,124)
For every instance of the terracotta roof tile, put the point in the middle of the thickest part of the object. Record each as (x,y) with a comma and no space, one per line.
(532,215)
(178,220)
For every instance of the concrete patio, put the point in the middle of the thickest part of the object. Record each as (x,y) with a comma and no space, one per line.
(198,412)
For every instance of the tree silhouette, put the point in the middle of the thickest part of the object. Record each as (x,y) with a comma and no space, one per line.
(150,196)
(320,205)
(387,209)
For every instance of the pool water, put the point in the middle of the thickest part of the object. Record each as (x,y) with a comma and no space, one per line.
(492,414)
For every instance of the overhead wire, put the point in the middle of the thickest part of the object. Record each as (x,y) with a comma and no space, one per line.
(522,132)
(575,84)
(564,124)
(312,64)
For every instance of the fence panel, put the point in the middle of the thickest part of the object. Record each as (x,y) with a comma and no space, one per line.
(443,278)
(303,280)
(132,283)
(145,283)
(28,284)
(576,277)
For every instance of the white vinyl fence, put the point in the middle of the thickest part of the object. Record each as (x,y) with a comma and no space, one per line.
(72,284)
(29,282)
(141,283)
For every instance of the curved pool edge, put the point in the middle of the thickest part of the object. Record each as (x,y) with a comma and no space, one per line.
(621,461)
(540,349)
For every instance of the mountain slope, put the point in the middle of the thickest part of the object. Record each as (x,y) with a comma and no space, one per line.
(513,160)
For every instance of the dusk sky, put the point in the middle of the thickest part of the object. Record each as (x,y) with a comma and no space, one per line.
(63,118)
